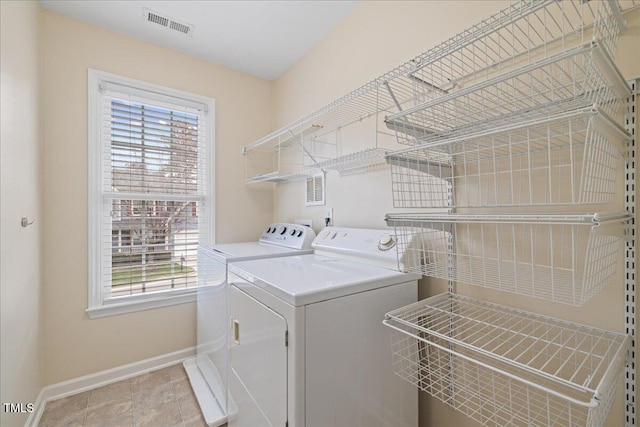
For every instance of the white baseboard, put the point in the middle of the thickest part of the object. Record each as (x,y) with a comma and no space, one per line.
(102,378)
(38,409)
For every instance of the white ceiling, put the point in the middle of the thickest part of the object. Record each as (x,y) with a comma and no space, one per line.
(263,38)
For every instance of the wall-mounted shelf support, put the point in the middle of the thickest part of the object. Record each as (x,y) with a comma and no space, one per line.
(630,255)
(300,142)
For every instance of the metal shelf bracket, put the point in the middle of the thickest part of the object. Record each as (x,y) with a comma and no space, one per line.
(630,255)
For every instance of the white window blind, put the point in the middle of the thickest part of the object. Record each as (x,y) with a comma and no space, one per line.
(153,185)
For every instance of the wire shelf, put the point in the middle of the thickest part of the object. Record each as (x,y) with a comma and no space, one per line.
(523,33)
(275,177)
(502,366)
(579,77)
(528,56)
(561,258)
(545,24)
(287,157)
(361,161)
(571,158)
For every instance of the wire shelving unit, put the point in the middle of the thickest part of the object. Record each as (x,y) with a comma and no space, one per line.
(286,156)
(560,258)
(502,366)
(531,58)
(347,135)
(578,77)
(567,159)
(519,111)
(575,78)
(582,35)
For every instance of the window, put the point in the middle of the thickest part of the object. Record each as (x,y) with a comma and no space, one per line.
(150,193)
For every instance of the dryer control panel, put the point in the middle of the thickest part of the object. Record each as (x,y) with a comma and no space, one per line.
(359,244)
(293,236)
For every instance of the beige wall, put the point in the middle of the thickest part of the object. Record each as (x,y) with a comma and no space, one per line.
(374,38)
(75,345)
(20,248)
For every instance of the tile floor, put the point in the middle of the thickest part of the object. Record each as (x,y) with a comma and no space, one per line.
(160,398)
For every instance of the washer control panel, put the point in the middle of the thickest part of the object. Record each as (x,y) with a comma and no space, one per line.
(294,236)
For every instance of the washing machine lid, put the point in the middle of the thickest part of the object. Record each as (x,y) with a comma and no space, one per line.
(228,252)
(307,279)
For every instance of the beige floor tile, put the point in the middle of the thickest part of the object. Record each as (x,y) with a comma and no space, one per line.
(189,407)
(116,393)
(156,399)
(69,411)
(177,372)
(182,388)
(71,403)
(157,396)
(61,418)
(150,380)
(68,420)
(115,421)
(110,414)
(167,414)
(196,422)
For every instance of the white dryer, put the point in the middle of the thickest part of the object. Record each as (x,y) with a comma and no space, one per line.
(208,370)
(308,347)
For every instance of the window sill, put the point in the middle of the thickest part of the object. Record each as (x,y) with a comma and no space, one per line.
(141,305)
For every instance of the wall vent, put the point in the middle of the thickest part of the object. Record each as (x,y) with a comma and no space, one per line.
(315,190)
(167,22)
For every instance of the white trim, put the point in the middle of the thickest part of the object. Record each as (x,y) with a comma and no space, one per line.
(150,87)
(93,196)
(210,200)
(146,304)
(102,378)
(160,95)
(38,410)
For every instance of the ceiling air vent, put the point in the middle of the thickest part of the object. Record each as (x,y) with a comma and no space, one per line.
(157,19)
(167,22)
(180,27)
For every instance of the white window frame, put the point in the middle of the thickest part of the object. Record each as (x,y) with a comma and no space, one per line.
(97,307)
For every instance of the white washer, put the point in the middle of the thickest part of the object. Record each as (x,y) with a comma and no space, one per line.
(308,347)
(209,369)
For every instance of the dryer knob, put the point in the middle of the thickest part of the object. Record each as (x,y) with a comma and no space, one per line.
(386,242)
(284,230)
(293,232)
